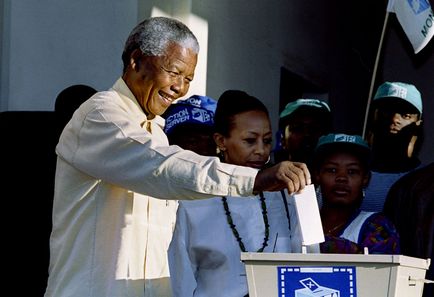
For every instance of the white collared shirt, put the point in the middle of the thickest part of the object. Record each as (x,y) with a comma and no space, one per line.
(110,236)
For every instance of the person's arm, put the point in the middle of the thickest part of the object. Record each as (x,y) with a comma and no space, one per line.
(182,269)
(105,142)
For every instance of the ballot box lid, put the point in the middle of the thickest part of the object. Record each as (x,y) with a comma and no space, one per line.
(294,258)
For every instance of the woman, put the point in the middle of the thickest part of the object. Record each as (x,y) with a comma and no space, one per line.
(341,173)
(204,255)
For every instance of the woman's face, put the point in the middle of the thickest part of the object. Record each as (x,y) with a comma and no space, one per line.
(342,179)
(249,142)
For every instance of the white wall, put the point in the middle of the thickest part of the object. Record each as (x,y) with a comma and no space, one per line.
(49,45)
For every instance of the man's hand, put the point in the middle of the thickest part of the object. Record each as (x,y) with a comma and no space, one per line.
(293,176)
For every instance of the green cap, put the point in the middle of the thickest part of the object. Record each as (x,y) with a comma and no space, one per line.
(293,106)
(352,143)
(342,138)
(402,91)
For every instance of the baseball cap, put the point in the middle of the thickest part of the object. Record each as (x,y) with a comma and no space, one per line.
(354,143)
(294,105)
(204,102)
(195,110)
(399,90)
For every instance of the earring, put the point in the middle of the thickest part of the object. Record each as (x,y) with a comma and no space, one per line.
(318,195)
(268,160)
(220,153)
(318,191)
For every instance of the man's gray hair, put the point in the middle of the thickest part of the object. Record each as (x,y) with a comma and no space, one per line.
(153,35)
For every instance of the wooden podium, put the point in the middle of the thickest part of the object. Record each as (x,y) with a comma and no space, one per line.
(334,275)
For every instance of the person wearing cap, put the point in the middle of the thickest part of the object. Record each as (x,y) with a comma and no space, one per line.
(189,124)
(341,172)
(395,137)
(209,236)
(302,122)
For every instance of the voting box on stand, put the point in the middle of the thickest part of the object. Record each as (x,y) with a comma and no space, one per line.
(334,275)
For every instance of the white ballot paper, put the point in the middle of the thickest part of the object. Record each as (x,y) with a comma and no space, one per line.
(306,205)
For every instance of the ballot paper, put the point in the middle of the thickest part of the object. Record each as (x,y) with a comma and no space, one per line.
(306,205)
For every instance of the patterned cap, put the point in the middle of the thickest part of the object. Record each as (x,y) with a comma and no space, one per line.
(193,110)
(293,106)
(204,102)
(353,143)
(342,138)
(402,91)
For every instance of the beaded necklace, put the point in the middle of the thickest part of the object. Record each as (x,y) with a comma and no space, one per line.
(285,204)
(234,229)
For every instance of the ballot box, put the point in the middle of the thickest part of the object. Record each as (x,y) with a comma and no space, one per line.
(334,275)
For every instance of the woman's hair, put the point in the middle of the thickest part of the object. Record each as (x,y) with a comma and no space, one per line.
(153,35)
(231,103)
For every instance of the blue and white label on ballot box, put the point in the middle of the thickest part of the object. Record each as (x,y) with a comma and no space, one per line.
(318,281)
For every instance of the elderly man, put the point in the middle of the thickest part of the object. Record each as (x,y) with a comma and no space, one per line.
(110,233)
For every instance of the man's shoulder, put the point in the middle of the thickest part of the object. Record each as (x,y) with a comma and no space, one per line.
(101,99)
(112,103)
(421,176)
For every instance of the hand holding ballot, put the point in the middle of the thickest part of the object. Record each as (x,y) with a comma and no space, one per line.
(293,176)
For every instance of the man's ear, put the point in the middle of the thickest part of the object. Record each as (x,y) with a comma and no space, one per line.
(411,144)
(135,57)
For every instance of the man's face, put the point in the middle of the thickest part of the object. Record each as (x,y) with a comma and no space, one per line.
(397,116)
(400,121)
(302,133)
(159,80)
(303,128)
